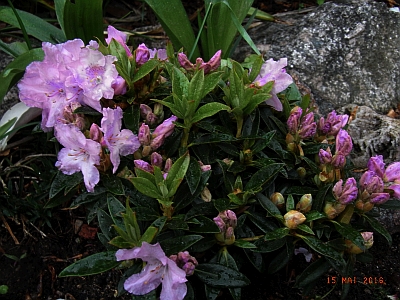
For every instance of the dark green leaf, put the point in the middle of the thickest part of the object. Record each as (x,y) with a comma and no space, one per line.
(146,187)
(277,234)
(323,248)
(221,276)
(132,118)
(203,225)
(178,244)
(201,209)
(264,246)
(208,110)
(221,204)
(313,272)
(113,184)
(93,264)
(391,204)
(268,205)
(348,232)
(84,20)
(64,182)
(263,176)
(314,215)
(35,26)
(193,175)
(244,244)
(282,258)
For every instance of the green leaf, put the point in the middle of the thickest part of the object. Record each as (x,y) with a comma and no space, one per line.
(263,176)
(84,19)
(14,49)
(314,215)
(313,272)
(64,182)
(195,90)
(132,118)
(305,228)
(348,232)
(268,246)
(268,205)
(93,264)
(146,187)
(379,228)
(244,244)
(222,204)
(105,224)
(34,25)
(203,225)
(391,204)
(323,248)
(178,27)
(208,110)
(179,244)
(145,69)
(193,175)
(113,184)
(116,209)
(59,8)
(289,202)
(152,231)
(177,173)
(256,67)
(217,275)
(282,259)
(277,234)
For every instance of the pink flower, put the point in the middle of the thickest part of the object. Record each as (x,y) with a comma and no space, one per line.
(79,154)
(274,71)
(119,36)
(377,165)
(159,269)
(95,74)
(119,142)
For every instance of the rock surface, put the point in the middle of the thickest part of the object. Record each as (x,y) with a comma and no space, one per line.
(344,52)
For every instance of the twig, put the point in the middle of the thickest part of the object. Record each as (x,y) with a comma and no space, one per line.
(9,229)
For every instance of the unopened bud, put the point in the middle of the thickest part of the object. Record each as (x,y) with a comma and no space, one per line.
(293,218)
(368,242)
(305,203)
(206,195)
(278,199)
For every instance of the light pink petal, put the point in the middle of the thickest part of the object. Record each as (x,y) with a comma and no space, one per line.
(173,283)
(146,281)
(275,103)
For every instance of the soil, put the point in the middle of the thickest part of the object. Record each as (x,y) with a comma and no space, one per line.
(44,251)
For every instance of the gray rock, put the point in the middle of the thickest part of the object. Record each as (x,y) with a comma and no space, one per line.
(12,96)
(344,53)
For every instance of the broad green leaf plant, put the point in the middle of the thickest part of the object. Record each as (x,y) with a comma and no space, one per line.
(193,170)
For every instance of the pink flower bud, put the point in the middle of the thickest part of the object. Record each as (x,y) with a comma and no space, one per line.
(396,190)
(212,64)
(346,194)
(371,182)
(325,157)
(157,142)
(185,261)
(184,61)
(308,127)
(368,242)
(156,159)
(119,86)
(392,173)
(142,54)
(344,144)
(379,198)
(226,222)
(332,124)
(95,133)
(377,165)
(293,121)
(203,167)
(166,128)
(144,135)
(168,165)
(338,160)
(145,166)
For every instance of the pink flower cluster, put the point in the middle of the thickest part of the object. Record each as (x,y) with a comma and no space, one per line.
(73,75)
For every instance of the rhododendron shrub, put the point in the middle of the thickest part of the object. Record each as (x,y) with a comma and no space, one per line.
(195,169)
